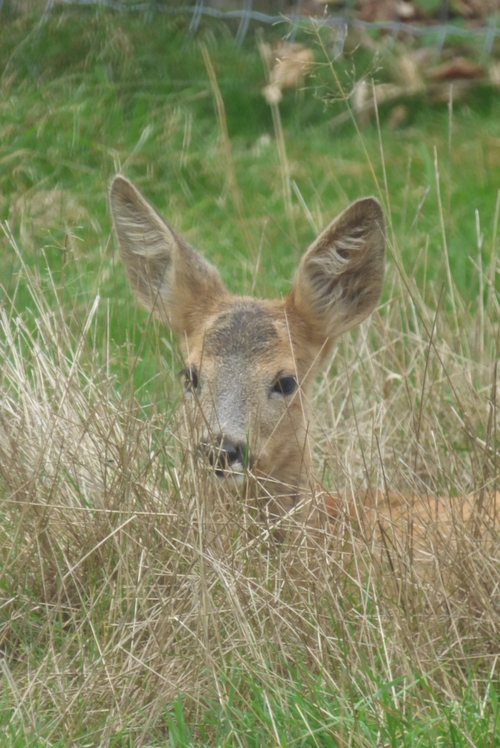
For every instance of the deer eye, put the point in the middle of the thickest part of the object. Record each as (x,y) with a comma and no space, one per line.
(190,378)
(285,386)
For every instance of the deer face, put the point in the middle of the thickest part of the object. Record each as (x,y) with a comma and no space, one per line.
(244,390)
(249,363)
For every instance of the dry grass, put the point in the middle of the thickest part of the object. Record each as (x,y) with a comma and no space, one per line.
(128,578)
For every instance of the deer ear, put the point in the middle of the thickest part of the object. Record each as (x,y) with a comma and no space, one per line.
(339,279)
(167,275)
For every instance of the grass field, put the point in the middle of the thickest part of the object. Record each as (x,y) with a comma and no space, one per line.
(138,605)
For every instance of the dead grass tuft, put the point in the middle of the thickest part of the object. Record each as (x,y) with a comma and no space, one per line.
(127,578)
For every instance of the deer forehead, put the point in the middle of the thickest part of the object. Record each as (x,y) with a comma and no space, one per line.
(246,328)
(245,335)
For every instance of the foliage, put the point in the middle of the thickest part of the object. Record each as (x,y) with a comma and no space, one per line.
(141,605)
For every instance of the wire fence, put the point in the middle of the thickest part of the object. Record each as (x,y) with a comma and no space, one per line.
(343,20)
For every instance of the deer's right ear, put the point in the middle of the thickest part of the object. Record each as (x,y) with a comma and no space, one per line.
(167,275)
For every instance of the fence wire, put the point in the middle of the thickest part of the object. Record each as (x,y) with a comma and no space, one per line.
(296,18)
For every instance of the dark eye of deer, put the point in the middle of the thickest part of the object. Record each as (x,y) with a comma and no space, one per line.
(190,378)
(285,386)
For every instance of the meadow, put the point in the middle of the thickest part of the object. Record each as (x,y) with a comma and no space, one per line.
(140,605)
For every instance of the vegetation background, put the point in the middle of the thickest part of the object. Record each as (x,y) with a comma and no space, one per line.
(138,605)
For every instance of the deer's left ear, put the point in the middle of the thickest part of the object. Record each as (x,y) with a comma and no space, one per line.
(339,279)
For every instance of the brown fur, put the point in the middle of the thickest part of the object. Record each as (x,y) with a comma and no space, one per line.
(243,355)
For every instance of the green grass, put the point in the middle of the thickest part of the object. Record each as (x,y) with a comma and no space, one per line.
(302,709)
(128,616)
(89,92)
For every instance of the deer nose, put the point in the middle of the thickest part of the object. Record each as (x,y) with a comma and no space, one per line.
(225,452)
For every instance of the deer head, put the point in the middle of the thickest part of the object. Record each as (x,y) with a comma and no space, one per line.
(250,363)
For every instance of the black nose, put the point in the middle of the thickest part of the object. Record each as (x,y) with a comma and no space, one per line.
(225,452)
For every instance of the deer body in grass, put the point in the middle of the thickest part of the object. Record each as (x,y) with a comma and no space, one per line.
(249,364)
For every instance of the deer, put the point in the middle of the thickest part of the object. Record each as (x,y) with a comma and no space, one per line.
(249,363)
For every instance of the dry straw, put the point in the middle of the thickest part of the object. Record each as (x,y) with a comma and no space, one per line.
(128,576)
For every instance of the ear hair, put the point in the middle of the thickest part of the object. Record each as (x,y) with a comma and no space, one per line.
(339,279)
(167,275)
